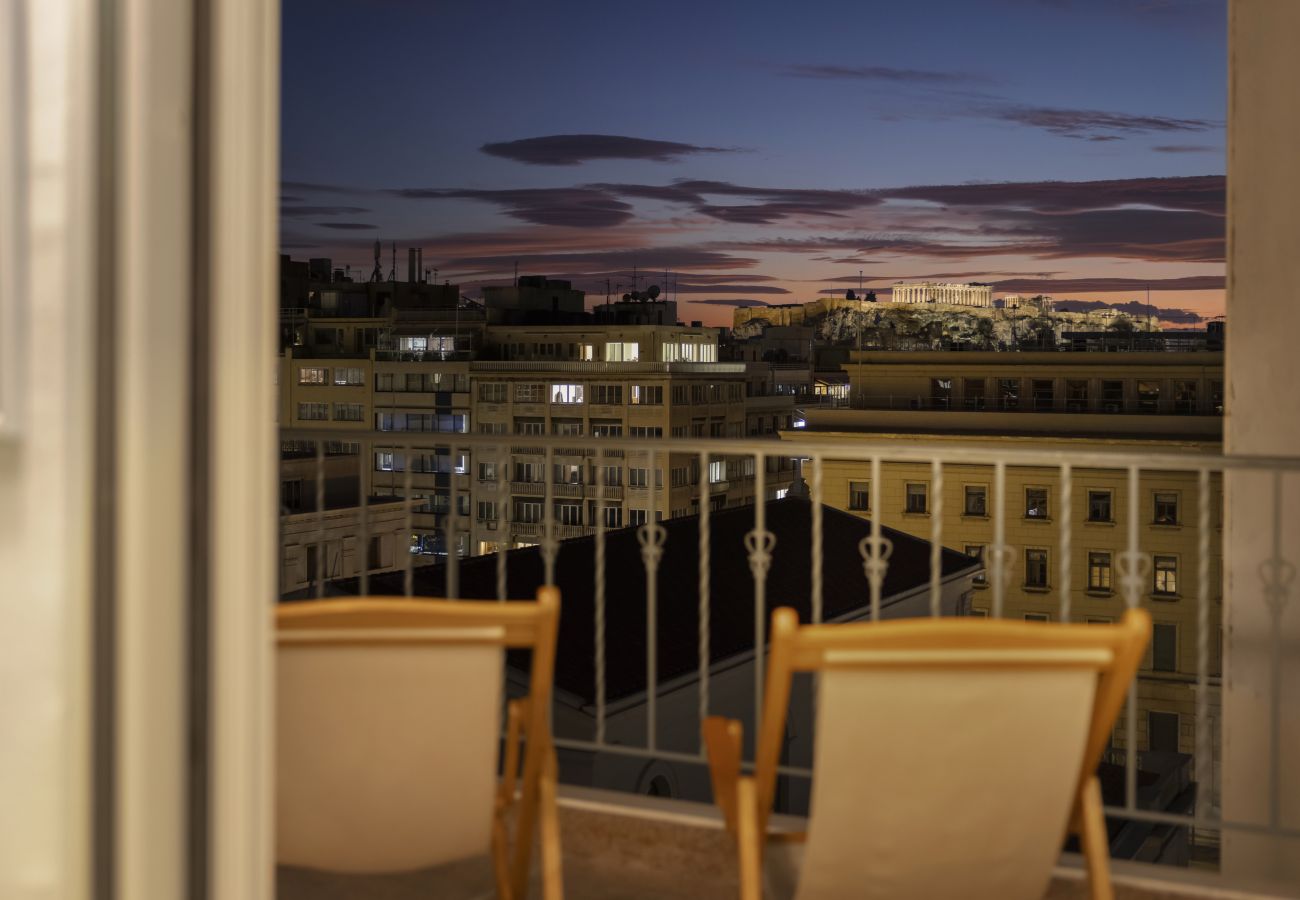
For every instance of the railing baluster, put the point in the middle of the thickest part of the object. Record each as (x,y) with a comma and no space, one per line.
(876,548)
(408,579)
(705,536)
(550,546)
(759,544)
(1204,763)
(1067,538)
(651,536)
(363,502)
(936,536)
(452,531)
(503,520)
(1132,578)
(599,576)
(817,540)
(998,555)
(322,548)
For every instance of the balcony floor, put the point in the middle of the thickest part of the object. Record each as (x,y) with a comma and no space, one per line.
(618,848)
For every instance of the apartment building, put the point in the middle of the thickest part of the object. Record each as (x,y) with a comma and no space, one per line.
(1141,383)
(421,376)
(1158,403)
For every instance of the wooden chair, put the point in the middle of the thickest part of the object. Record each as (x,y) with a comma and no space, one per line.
(388,729)
(952,755)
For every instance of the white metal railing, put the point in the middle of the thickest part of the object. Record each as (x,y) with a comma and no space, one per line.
(868,458)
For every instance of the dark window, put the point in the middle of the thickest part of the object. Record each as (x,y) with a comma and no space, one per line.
(1036,568)
(313,560)
(1009,393)
(1216,397)
(1044,393)
(859,495)
(916,496)
(1099,570)
(1112,396)
(974,390)
(1164,647)
(1035,503)
(1166,509)
(1076,396)
(1185,397)
(1037,617)
(291,495)
(1099,506)
(1148,396)
(375,556)
(941,393)
(976,551)
(1162,731)
(977,501)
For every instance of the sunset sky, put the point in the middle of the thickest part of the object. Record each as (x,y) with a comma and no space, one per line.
(765,152)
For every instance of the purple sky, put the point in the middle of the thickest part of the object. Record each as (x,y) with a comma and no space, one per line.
(766,152)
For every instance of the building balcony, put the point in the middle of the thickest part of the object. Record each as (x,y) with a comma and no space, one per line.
(1163,790)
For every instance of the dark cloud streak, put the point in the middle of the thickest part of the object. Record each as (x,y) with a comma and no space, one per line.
(574,149)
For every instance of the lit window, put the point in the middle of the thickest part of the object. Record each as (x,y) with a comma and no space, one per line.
(717,472)
(313,375)
(622,351)
(1099,572)
(566,393)
(1166,575)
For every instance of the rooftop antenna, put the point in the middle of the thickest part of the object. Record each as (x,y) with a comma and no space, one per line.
(378,274)
(516,273)
(392,273)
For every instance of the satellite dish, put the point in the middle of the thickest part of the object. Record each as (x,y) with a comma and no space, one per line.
(653,291)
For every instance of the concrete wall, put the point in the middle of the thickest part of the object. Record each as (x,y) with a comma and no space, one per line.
(1262,666)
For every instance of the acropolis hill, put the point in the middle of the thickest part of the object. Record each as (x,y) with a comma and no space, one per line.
(838,320)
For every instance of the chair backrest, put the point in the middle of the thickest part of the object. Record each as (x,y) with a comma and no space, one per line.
(949,753)
(388,728)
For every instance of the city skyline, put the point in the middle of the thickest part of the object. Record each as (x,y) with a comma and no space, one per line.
(1042,145)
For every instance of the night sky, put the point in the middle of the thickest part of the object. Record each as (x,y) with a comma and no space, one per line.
(765,152)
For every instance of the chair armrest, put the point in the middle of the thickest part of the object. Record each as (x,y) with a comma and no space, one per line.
(722,740)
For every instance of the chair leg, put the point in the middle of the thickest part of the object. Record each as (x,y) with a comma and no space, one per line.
(1096,846)
(748,841)
(722,740)
(552,866)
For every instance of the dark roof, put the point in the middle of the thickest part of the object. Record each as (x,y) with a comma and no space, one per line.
(731,588)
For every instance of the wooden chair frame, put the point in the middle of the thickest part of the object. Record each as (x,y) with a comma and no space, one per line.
(514,625)
(746,800)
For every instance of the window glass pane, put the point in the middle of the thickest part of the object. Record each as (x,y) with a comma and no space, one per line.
(976,500)
(1099,506)
(916,497)
(859,495)
(1036,503)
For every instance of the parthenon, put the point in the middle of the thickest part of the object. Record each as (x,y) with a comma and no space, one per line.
(973,294)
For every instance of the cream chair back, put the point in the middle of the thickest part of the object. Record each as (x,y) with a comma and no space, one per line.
(945,773)
(387,746)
